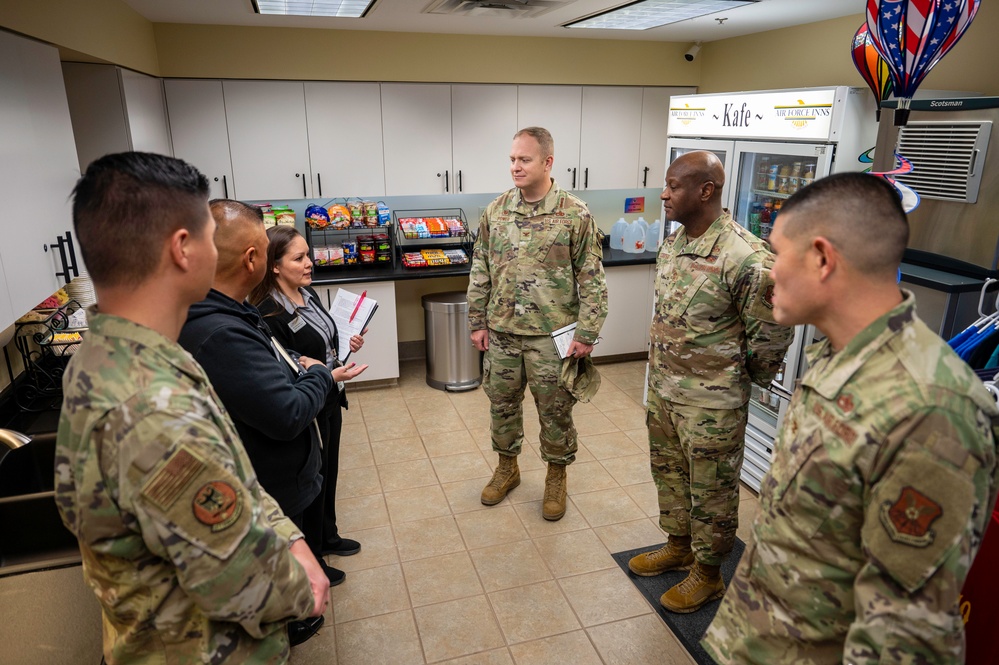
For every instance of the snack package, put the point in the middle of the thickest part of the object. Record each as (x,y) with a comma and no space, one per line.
(456,256)
(336,255)
(384,214)
(434,257)
(268,211)
(317,217)
(356,209)
(284,216)
(339,216)
(322,256)
(414,260)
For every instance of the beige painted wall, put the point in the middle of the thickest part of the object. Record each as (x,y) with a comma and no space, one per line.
(409,304)
(200,51)
(819,54)
(107,30)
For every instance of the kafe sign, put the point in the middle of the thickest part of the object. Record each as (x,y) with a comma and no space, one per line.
(791,115)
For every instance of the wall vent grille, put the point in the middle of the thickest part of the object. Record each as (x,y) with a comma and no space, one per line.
(495,8)
(947,158)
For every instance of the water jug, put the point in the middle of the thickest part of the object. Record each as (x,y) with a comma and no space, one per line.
(652,239)
(634,238)
(617,234)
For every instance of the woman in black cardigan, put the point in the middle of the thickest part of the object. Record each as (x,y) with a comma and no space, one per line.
(298,320)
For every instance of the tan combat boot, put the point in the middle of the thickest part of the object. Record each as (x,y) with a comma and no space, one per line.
(505,478)
(555,491)
(674,555)
(703,584)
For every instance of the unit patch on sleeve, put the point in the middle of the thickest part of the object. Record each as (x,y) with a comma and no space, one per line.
(909,518)
(217,505)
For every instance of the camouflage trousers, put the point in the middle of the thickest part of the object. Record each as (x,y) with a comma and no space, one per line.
(696,456)
(511,363)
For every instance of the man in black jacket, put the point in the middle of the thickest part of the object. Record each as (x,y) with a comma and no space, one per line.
(272,404)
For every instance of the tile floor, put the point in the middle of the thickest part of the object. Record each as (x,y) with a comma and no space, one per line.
(443,579)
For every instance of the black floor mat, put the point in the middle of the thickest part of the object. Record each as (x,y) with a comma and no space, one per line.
(689,628)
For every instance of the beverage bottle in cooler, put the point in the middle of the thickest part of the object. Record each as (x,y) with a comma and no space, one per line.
(776,211)
(766,219)
(795,179)
(762,173)
(772,177)
(754,219)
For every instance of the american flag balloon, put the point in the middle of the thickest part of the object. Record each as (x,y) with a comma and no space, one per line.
(913,35)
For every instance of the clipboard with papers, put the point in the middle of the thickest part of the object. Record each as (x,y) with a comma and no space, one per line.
(352,313)
(562,338)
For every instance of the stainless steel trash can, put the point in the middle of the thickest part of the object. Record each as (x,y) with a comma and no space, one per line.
(453,363)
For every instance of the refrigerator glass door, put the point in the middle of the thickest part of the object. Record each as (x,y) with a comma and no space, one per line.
(724,149)
(767,407)
(768,173)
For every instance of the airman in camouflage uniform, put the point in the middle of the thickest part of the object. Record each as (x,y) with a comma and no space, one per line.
(190,559)
(713,333)
(883,476)
(537,266)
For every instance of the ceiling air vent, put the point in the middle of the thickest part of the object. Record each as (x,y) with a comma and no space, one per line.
(494,8)
(947,158)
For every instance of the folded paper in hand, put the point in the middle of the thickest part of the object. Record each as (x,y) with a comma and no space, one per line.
(343,307)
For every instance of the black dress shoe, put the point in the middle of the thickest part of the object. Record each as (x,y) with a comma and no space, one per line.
(300,631)
(334,575)
(342,547)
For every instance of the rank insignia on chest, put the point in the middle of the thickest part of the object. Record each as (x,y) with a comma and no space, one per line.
(217,505)
(908,519)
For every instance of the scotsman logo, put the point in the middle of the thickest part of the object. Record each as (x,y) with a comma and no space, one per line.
(956,102)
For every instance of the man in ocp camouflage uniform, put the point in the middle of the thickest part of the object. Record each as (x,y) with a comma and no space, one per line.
(537,267)
(884,473)
(191,561)
(713,333)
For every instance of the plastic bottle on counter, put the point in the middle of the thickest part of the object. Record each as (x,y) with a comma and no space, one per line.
(617,234)
(652,236)
(634,238)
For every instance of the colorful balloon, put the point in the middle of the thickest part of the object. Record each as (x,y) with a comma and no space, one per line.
(914,35)
(871,66)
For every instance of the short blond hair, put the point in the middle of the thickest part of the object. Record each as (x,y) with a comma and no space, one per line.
(542,136)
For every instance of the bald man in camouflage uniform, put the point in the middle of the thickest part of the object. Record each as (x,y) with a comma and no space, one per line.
(883,476)
(537,266)
(713,333)
(191,560)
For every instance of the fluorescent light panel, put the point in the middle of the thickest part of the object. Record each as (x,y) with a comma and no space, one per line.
(647,14)
(339,8)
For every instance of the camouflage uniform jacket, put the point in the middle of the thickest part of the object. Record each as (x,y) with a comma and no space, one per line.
(713,330)
(873,509)
(538,267)
(187,554)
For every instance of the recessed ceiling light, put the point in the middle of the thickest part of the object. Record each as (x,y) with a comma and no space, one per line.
(338,8)
(646,14)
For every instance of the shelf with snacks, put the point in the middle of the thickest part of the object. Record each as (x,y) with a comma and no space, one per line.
(46,338)
(345,237)
(772,195)
(433,238)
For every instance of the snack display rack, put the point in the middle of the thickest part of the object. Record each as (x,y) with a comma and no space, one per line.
(440,243)
(46,345)
(383,250)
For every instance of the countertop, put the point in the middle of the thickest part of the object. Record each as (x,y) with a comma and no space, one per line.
(396,272)
(939,280)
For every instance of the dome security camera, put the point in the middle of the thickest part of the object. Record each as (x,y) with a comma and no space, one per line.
(692,52)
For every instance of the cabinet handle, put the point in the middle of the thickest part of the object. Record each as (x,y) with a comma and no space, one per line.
(459,181)
(586,177)
(447,181)
(302,176)
(645,177)
(225,188)
(573,171)
(319,180)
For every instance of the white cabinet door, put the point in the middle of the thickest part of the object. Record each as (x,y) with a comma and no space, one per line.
(98,114)
(145,112)
(629,311)
(557,109)
(416,122)
(268,139)
(345,139)
(200,135)
(483,122)
(381,343)
(610,137)
(652,149)
(38,170)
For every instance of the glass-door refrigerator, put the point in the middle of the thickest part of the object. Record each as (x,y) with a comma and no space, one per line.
(772,143)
